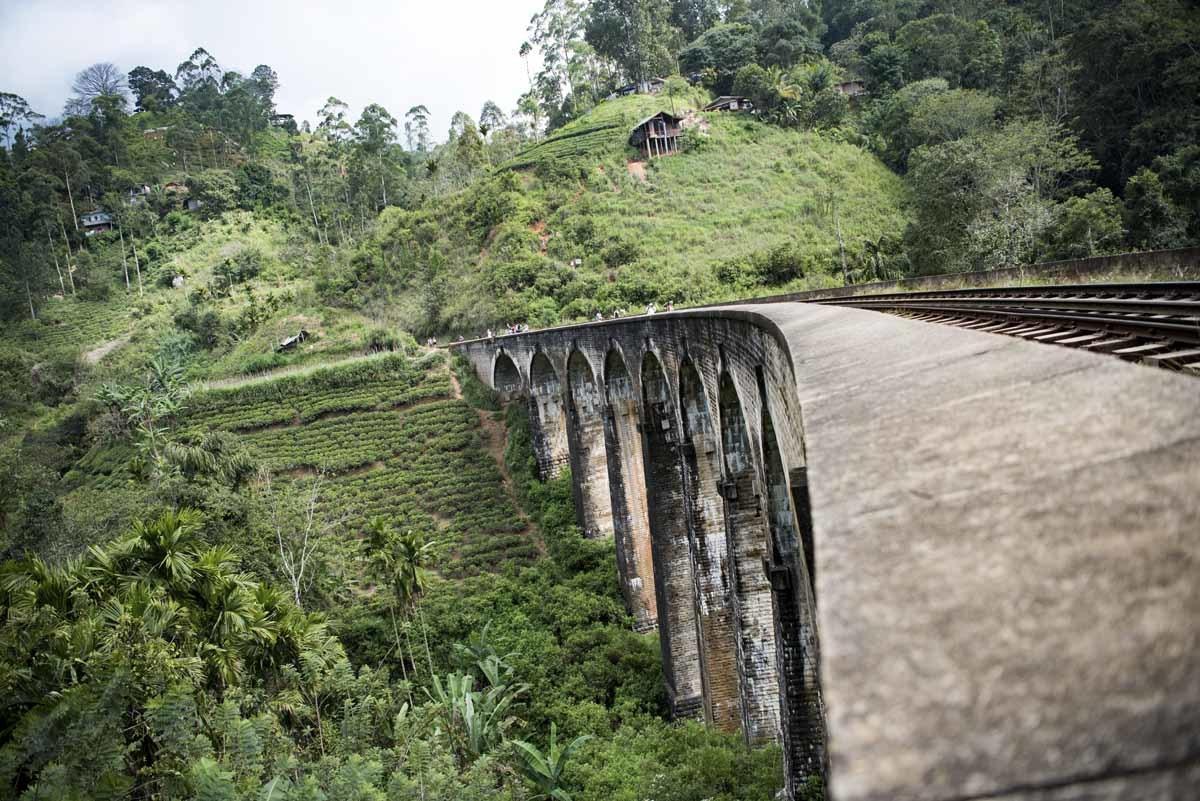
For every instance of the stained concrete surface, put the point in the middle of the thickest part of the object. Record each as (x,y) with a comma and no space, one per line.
(1008,562)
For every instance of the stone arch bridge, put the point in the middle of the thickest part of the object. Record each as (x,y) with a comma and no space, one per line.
(932,563)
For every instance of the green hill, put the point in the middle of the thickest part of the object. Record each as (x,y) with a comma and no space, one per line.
(578,222)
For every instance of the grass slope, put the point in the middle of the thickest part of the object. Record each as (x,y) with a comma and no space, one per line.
(746,208)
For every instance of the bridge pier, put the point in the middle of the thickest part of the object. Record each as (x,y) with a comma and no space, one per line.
(588,454)
(627,489)
(547,418)
(666,459)
(670,536)
(795,613)
(747,535)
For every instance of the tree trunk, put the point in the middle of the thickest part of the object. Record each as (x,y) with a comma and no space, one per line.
(382,182)
(70,197)
(425,636)
(57,268)
(137,265)
(70,269)
(312,207)
(124,260)
(32,313)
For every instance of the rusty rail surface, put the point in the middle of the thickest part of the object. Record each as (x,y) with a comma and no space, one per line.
(1152,323)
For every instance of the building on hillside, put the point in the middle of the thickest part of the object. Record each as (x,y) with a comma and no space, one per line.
(730,103)
(95,222)
(175,188)
(138,195)
(851,88)
(291,342)
(657,135)
(648,87)
(286,122)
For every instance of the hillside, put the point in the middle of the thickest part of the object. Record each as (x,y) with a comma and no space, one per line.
(745,208)
(257,543)
(349,465)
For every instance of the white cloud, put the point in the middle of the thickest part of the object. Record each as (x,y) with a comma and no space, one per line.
(447,54)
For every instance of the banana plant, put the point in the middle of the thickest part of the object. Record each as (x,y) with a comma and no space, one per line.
(545,768)
(475,720)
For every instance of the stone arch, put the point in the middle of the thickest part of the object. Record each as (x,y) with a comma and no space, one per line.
(506,378)
(709,552)
(747,535)
(674,584)
(797,647)
(627,489)
(548,417)
(589,459)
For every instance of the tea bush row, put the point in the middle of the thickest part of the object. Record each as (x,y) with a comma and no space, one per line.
(308,407)
(340,443)
(75,323)
(385,367)
(437,478)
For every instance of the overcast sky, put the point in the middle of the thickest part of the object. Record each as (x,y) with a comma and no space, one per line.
(447,54)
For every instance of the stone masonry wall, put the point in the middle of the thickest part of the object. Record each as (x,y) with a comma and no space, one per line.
(675,404)
(627,487)
(709,553)
(589,456)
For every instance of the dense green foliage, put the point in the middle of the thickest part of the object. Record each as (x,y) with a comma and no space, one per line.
(258,545)
(404,665)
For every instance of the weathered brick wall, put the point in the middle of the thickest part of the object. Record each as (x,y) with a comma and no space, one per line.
(506,378)
(666,416)
(547,417)
(753,604)
(589,455)
(795,616)
(709,552)
(671,547)
(627,487)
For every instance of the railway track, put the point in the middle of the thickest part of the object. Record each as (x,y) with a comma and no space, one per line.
(1152,323)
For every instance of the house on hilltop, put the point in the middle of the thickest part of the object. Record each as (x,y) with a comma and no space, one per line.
(657,135)
(730,103)
(95,222)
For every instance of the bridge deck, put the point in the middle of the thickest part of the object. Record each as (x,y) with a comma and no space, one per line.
(1008,562)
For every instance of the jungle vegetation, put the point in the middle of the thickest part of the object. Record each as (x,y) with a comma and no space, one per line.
(235,570)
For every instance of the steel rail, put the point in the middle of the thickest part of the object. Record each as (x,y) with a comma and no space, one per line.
(1157,323)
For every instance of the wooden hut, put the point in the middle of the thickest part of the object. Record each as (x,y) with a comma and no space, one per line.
(730,103)
(657,135)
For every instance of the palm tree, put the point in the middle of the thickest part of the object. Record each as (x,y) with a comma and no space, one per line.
(167,546)
(401,559)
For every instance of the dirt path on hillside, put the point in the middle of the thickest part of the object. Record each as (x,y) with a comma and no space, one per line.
(94,355)
(495,439)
